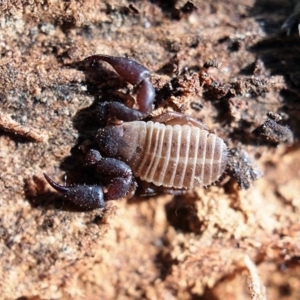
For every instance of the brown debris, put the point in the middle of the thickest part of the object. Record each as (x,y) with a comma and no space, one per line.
(273,131)
(241,168)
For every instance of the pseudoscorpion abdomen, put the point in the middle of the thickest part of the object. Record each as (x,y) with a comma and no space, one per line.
(180,156)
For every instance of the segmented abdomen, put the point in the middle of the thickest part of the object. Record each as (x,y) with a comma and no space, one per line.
(177,156)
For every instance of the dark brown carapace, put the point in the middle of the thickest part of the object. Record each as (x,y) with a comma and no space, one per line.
(173,151)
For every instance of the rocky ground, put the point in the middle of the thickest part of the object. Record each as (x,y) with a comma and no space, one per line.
(228,63)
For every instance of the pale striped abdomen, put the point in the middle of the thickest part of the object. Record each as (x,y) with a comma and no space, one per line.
(182,157)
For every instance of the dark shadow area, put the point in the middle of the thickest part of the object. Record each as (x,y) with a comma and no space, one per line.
(164,263)
(207,295)
(271,14)
(280,52)
(16,137)
(175,11)
(181,213)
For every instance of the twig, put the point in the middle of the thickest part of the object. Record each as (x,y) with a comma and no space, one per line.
(9,125)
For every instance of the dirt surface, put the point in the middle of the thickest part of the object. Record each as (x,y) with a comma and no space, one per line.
(219,242)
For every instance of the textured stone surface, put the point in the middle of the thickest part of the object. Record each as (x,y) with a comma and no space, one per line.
(204,243)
